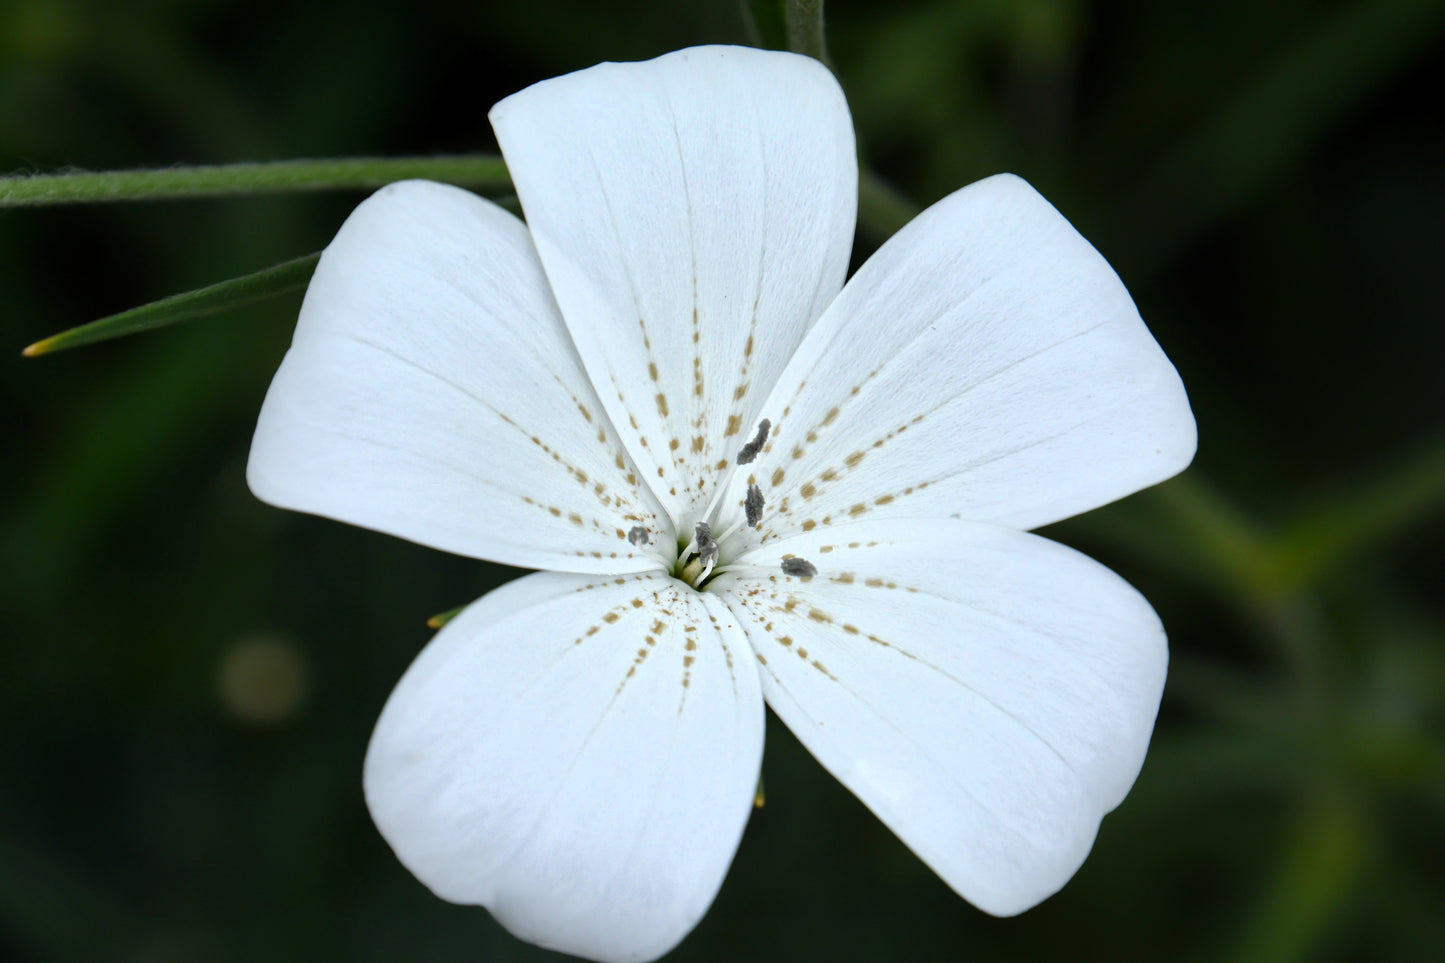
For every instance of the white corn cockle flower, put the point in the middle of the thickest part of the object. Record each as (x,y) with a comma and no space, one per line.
(746,482)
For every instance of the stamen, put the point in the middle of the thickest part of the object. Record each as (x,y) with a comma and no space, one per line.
(750,451)
(753,505)
(638,535)
(800,567)
(748,455)
(707,549)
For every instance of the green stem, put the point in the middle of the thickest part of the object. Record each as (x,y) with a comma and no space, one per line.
(803,21)
(81,187)
(284,277)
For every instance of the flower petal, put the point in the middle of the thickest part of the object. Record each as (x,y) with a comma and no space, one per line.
(577,756)
(431,392)
(988,693)
(986,363)
(695,216)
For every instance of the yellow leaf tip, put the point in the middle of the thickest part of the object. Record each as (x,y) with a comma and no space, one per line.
(36,349)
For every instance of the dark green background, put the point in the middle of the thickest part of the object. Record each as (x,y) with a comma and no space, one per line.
(1267,178)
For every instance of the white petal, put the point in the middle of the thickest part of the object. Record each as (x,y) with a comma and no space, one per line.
(431,392)
(988,693)
(695,216)
(986,363)
(578,756)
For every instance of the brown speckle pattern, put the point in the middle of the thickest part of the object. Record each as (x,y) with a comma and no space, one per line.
(664,627)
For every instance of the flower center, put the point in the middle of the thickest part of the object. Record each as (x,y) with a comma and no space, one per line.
(698,558)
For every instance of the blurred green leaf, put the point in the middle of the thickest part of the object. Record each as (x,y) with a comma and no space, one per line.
(471,170)
(1212,687)
(120,435)
(1224,538)
(882,208)
(1190,767)
(766,24)
(1321,863)
(1192,530)
(1394,500)
(267,283)
(1275,120)
(42,896)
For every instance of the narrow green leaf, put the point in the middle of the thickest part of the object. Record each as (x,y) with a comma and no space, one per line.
(79,187)
(268,283)
(442,618)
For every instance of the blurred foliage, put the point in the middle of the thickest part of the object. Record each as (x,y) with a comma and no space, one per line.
(188,678)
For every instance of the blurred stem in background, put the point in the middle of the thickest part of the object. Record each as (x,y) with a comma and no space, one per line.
(795,25)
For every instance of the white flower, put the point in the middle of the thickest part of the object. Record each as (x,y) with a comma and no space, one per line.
(578,750)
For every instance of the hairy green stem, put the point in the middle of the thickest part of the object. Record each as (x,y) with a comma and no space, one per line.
(82,187)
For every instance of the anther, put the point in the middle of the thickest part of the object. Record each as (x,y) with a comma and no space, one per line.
(800,567)
(707,549)
(753,505)
(751,449)
(638,535)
